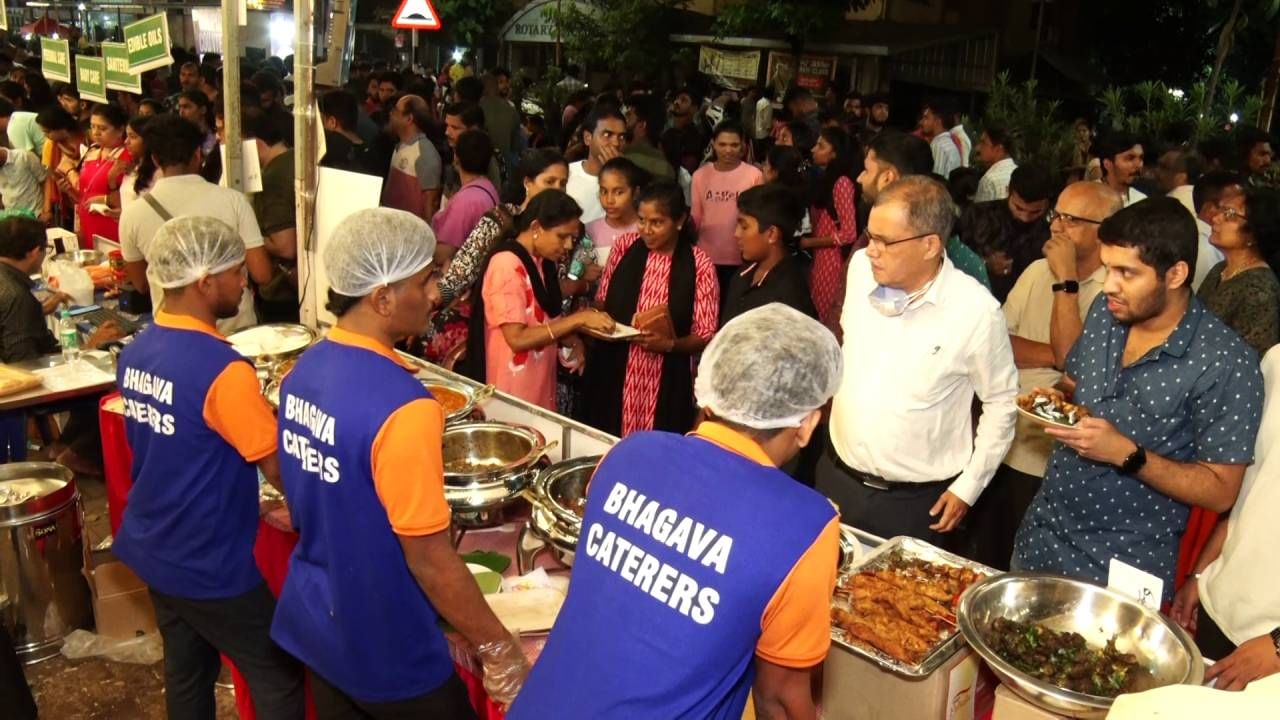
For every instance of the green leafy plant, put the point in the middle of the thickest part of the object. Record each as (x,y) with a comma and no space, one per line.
(1040,135)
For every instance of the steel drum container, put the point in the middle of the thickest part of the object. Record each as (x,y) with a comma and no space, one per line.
(43,594)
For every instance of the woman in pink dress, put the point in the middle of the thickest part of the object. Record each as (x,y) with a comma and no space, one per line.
(833,215)
(648,384)
(516,328)
(101,172)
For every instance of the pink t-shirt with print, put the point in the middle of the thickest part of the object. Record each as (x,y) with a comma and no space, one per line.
(715,209)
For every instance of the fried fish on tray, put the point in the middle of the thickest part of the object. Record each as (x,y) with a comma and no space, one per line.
(1051,407)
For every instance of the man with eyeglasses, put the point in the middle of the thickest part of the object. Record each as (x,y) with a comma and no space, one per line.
(1045,312)
(921,340)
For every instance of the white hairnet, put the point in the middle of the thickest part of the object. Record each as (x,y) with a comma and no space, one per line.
(376,247)
(768,368)
(186,249)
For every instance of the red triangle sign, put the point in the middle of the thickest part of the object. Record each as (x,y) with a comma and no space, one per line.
(416,15)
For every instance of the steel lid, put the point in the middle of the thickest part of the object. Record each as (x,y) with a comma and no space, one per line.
(29,491)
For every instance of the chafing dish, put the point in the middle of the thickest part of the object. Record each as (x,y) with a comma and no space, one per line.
(900,548)
(80,258)
(557,495)
(1165,653)
(440,389)
(270,345)
(487,467)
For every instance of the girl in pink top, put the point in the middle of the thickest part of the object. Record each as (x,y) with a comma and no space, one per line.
(715,198)
(833,215)
(620,182)
(517,331)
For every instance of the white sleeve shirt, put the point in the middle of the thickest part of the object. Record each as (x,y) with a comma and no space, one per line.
(946,156)
(994,184)
(903,411)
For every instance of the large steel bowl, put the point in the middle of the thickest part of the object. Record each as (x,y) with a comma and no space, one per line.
(556,494)
(271,344)
(80,258)
(487,466)
(1165,653)
(470,397)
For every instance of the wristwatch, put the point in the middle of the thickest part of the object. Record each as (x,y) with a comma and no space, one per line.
(1069,286)
(1134,462)
(1275,640)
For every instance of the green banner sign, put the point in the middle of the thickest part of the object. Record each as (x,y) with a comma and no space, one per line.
(91,78)
(118,76)
(55,59)
(147,43)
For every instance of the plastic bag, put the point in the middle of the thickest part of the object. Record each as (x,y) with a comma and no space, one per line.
(74,281)
(142,650)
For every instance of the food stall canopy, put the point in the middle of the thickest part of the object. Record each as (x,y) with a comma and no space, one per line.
(48,26)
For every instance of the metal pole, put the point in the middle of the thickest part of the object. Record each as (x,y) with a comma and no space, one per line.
(233,169)
(1035,49)
(305,150)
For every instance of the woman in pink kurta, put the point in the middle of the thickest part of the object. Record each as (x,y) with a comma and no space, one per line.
(648,384)
(833,215)
(517,332)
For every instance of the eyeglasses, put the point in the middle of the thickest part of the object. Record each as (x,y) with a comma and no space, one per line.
(1230,213)
(1054,214)
(882,243)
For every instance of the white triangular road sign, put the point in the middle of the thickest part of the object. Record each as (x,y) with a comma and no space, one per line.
(416,15)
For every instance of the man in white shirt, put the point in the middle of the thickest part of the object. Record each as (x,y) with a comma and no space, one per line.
(1045,313)
(1178,172)
(1121,156)
(921,339)
(934,121)
(174,145)
(22,177)
(1239,624)
(993,152)
(603,132)
(963,142)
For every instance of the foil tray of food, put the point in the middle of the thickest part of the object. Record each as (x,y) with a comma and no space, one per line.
(896,606)
(1050,409)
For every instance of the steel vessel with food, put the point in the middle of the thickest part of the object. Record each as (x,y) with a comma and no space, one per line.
(896,606)
(1069,646)
(458,400)
(559,498)
(487,466)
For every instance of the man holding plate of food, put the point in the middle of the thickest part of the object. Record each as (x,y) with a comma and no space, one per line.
(1173,398)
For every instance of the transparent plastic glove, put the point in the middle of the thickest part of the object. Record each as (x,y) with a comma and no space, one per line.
(505,668)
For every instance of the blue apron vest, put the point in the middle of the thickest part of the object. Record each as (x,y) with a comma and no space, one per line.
(673,633)
(192,516)
(350,609)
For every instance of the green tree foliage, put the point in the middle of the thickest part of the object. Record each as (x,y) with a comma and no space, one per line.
(625,36)
(1040,135)
(797,20)
(471,22)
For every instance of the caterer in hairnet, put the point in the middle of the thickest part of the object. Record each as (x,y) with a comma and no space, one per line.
(198,425)
(374,571)
(721,565)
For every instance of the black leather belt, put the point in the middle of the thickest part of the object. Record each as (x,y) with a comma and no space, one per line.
(875,482)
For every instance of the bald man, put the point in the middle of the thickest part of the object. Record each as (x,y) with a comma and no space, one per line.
(1045,311)
(414,182)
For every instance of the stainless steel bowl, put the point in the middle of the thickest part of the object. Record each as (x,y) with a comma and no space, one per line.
(1165,653)
(554,494)
(271,344)
(488,466)
(474,396)
(80,258)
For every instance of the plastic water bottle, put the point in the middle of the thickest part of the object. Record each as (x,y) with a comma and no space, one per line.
(69,337)
(578,267)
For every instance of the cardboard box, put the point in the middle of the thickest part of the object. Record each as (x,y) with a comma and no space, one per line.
(121,604)
(1011,706)
(854,688)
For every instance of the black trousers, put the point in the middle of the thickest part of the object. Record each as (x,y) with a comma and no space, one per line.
(195,631)
(902,510)
(1213,643)
(994,520)
(724,275)
(15,694)
(447,702)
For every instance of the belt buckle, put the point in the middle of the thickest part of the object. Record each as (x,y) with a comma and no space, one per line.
(874,484)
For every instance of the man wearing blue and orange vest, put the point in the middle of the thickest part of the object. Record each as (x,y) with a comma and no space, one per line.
(375,571)
(200,431)
(703,571)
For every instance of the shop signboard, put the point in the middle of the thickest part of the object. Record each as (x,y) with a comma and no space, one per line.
(815,72)
(732,65)
(147,43)
(91,78)
(55,59)
(118,75)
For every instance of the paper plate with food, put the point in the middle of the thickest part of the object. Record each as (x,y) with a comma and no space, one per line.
(1050,409)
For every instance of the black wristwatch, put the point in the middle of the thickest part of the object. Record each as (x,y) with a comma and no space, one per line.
(1134,462)
(1275,640)
(1070,286)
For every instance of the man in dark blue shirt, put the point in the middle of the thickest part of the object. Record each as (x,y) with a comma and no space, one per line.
(1175,397)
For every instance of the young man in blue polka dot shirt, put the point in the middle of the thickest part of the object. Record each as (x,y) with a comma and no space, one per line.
(1175,397)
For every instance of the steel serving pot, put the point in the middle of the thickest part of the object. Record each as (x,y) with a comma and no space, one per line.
(80,258)
(558,489)
(473,396)
(487,467)
(269,345)
(1165,653)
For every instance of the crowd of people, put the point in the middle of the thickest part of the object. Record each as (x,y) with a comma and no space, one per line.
(685,263)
